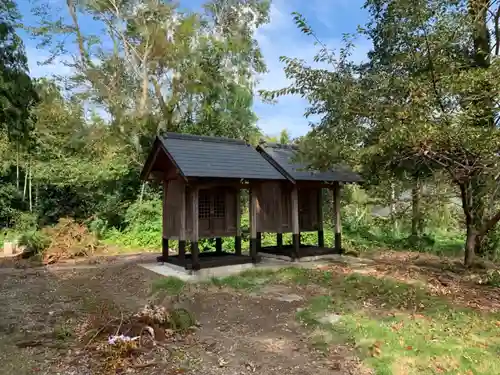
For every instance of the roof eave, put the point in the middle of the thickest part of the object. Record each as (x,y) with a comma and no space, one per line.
(146,169)
(275,164)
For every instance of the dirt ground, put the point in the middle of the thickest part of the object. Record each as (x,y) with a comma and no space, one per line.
(44,312)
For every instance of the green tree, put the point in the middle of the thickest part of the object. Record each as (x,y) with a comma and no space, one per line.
(424,102)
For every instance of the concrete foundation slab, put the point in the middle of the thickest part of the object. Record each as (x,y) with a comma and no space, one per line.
(315,258)
(167,269)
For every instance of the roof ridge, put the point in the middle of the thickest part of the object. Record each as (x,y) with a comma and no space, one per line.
(204,138)
(281,146)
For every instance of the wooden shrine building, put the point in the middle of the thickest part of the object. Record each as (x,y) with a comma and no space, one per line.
(296,204)
(202,178)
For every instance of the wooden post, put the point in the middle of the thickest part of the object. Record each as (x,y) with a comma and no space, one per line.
(259,241)
(195,261)
(237,239)
(253,225)
(279,240)
(336,210)
(295,223)
(321,235)
(182,226)
(164,243)
(279,235)
(218,245)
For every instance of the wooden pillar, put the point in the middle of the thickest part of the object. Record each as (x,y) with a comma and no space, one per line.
(279,235)
(182,226)
(253,224)
(279,239)
(195,252)
(218,245)
(164,242)
(321,235)
(336,210)
(295,223)
(237,239)
(259,241)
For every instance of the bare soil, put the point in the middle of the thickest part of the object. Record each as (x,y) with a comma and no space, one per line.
(46,311)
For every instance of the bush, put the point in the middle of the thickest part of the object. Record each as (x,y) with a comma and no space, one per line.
(35,242)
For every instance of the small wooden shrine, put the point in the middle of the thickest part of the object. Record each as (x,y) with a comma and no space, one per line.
(296,204)
(202,178)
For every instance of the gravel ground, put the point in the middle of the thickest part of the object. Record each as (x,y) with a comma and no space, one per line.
(240,333)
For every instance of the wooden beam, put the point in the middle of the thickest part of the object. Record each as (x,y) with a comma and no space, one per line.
(182,225)
(321,234)
(295,223)
(253,224)
(217,183)
(164,243)
(279,239)
(150,161)
(195,251)
(314,184)
(279,235)
(237,239)
(218,244)
(336,210)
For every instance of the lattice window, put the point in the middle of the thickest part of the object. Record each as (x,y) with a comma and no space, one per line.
(211,204)
(219,208)
(204,204)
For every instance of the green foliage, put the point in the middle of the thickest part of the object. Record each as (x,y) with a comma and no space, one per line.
(16,89)
(34,241)
(423,106)
(395,327)
(171,285)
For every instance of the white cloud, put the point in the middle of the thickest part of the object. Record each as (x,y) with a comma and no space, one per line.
(279,37)
(282,37)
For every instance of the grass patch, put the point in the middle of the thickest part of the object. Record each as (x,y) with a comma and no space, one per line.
(401,329)
(170,285)
(249,280)
(397,328)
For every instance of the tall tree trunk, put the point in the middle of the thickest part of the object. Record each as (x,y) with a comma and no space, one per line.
(29,189)
(392,207)
(416,219)
(141,195)
(17,165)
(25,182)
(470,246)
(84,57)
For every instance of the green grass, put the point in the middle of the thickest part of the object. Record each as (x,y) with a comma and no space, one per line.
(249,280)
(396,328)
(170,285)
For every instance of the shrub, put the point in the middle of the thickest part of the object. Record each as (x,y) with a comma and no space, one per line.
(35,242)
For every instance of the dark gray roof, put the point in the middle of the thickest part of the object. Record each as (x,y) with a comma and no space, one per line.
(283,157)
(201,156)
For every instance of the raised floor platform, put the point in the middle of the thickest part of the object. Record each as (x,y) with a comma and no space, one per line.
(208,259)
(171,270)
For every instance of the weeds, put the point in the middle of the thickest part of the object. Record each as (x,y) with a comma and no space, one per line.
(397,328)
(171,285)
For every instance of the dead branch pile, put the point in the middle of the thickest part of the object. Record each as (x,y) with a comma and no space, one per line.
(127,342)
(68,240)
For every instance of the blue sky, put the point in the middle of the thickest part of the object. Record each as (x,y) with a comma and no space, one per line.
(329,19)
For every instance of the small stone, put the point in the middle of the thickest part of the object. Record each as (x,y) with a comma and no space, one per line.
(329,319)
(222,362)
(289,298)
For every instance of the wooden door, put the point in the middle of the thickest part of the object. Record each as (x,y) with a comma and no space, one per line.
(212,212)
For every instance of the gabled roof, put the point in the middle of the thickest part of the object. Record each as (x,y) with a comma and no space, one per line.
(283,158)
(217,157)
